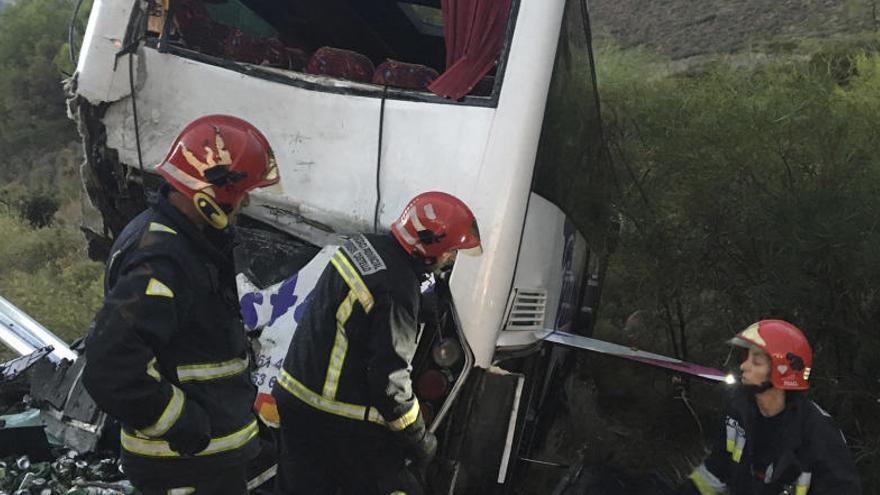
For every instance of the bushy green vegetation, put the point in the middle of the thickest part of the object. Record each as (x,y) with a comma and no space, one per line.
(43,265)
(751,191)
(33,53)
(45,272)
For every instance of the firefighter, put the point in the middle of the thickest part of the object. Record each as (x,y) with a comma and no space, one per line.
(167,356)
(773,440)
(349,418)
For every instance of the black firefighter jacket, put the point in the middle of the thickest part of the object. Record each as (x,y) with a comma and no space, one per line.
(807,454)
(350,355)
(168,356)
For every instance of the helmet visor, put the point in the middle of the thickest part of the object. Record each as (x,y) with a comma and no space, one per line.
(740,342)
(471,244)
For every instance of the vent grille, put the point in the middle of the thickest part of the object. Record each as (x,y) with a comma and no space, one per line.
(527,309)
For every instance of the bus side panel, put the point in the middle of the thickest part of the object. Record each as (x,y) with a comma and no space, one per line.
(96,79)
(327,145)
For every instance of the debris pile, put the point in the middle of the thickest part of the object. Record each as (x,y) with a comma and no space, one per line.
(69,474)
(50,431)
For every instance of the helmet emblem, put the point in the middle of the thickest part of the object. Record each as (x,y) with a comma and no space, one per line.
(212,158)
(752,334)
(429,212)
(782,369)
(416,221)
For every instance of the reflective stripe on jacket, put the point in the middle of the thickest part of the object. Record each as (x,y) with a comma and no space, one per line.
(350,355)
(168,336)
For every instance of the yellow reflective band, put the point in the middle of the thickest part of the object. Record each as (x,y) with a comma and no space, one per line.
(701,484)
(803,483)
(344,409)
(738,450)
(340,346)
(737,455)
(345,308)
(184,490)
(705,482)
(211,371)
(397,492)
(152,372)
(407,419)
(731,444)
(337,358)
(354,281)
(158,227)
(169,415)
(160,448)
(156,288)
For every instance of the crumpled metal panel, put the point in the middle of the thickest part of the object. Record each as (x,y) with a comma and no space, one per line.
(12,369)
(69,413)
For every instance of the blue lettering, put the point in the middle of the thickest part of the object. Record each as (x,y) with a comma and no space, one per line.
(248,305)
(284,299)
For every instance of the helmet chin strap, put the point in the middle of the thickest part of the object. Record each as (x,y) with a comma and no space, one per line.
(424,264)
(757,389)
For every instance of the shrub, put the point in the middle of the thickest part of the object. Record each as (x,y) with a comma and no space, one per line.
(752,192)
(46,273)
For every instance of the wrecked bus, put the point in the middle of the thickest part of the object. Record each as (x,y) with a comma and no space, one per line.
(366,104)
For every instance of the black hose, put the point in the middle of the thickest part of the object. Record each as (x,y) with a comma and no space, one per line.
(379,161)
(71,33)
(134,114)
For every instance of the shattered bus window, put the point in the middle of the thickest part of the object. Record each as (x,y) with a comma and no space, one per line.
(401,44)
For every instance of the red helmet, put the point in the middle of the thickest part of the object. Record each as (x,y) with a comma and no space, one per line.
(434,223)
(791,357)
(216,160)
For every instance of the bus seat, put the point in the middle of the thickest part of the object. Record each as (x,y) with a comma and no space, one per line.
(344,64)
(249,48)
(404,75)
(198,31)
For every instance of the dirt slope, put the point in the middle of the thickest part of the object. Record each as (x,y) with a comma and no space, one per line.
(685,28)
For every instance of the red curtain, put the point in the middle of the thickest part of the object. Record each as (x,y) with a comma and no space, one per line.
(474,31)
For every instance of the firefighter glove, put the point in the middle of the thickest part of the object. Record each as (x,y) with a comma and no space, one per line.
(423,452)
(192,431)
(419,443)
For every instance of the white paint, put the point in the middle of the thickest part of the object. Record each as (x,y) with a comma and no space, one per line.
(97,81)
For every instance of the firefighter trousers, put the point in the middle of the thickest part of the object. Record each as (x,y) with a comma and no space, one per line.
(231,480)
(323,455)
